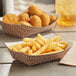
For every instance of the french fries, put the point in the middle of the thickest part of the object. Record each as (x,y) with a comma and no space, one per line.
(25,49)
(34,48)
(40,45)
(42,38)
(30,52)
(27,39)
(39,41)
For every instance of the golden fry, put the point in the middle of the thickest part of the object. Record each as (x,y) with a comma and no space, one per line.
(35,21)
(34,48)
(41,50)
(37,45)
(39,41)
(55,39)
(25,49)
(53,47)
(29,44)
(23,44)
(64,43)
(30,52)
(39,36)
(18,46)
(59,45)
(27,39)
(13,48)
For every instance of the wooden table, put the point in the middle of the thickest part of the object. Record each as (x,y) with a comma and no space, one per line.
(11,67)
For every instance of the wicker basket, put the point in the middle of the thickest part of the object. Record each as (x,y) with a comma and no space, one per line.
(22,30)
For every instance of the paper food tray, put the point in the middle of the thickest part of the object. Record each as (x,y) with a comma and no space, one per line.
(32,60)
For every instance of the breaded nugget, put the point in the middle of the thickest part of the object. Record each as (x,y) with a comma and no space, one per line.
(45,19)
(24,16)
(52,18)
(34,10)
(35,21)
(10,18)
(23,22)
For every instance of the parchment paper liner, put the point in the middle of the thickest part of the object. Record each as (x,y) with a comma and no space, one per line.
(22,31)
(32,60)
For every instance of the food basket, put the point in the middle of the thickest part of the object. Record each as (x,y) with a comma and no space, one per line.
(22,31)
(36,59)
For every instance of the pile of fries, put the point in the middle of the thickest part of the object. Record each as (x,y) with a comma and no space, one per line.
(40,45)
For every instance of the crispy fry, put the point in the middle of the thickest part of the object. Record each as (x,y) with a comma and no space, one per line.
(64,43)
(23,44)
(13,48)
(29,44)
(27,39)
(39,41)
(30,52)
(34,48)
(61,46)
(41,38)
(37,45)
(18,46)
(25,49)
(41,50)
(55,39)
(53,48)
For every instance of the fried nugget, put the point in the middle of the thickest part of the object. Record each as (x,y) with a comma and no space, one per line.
(10,18)
(52,18)
(34,10)
(24,23)
(24,16)
(35,21)
(45,19)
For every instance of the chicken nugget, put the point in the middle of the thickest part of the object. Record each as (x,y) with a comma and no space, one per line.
(35,21)
(34,10)
(52,18)
(24,23)
(45,19)
(10,18)
(24,16)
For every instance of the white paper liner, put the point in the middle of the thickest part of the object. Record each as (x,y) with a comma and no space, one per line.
(70,57)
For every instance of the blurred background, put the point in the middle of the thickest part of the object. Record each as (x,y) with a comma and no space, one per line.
(17,6)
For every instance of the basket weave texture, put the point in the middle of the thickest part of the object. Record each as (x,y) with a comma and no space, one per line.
(33,60)
(22,30)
